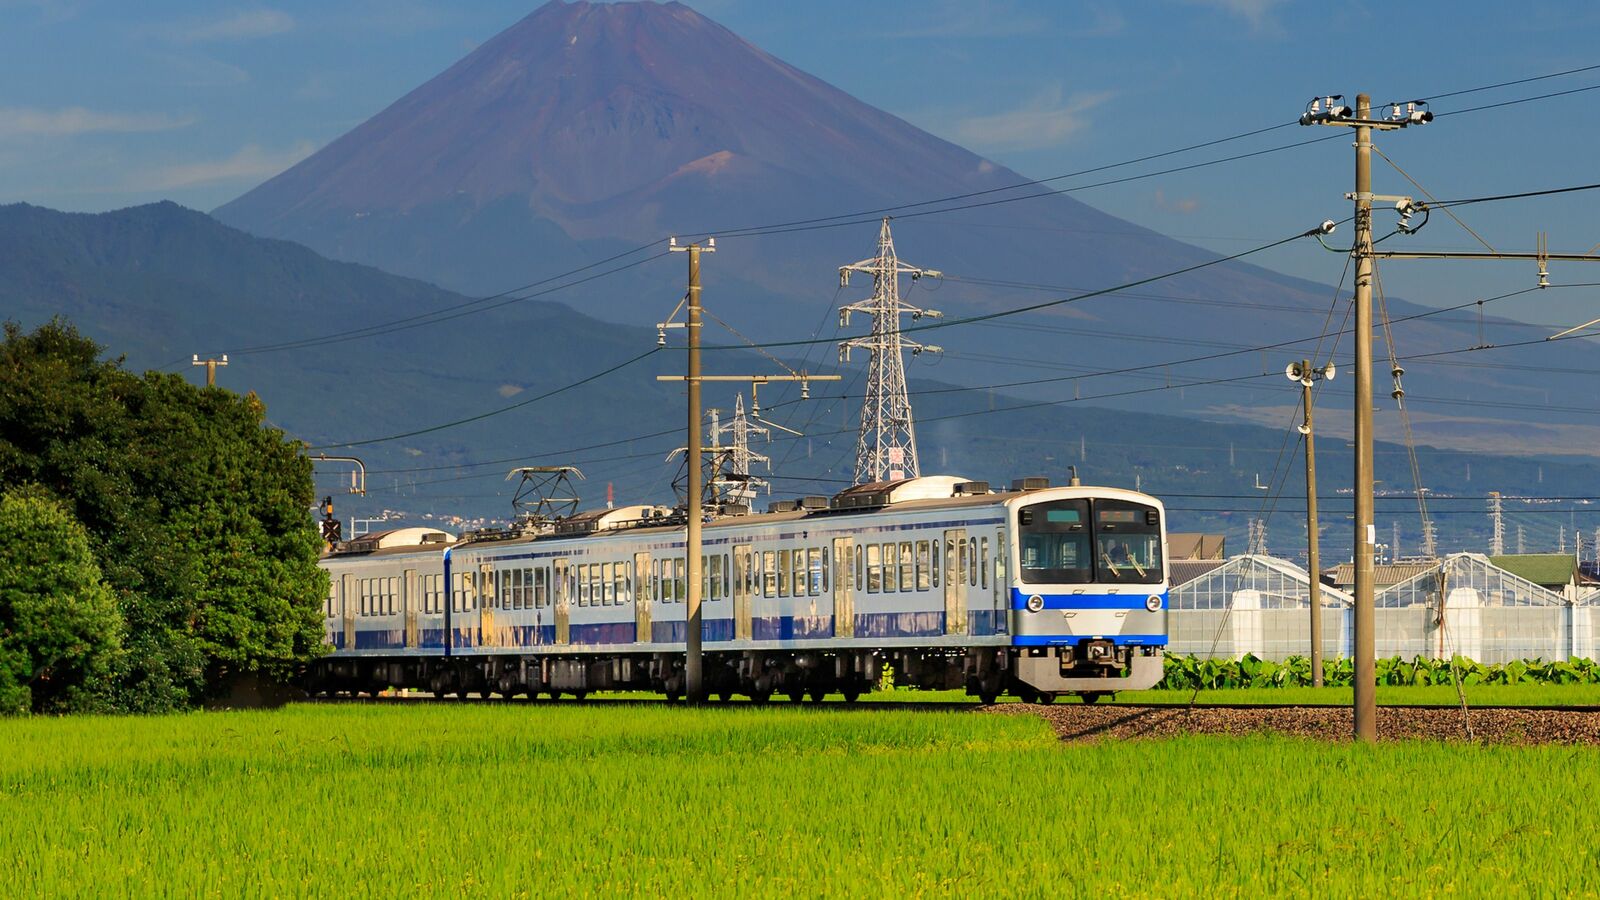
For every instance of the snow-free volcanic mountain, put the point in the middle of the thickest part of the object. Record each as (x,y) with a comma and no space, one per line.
(588,128)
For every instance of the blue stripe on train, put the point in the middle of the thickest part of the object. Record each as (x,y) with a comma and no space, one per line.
(980,622)
(1133,600)
(1061,640)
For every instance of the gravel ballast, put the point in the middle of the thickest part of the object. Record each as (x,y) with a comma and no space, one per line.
(1079,722)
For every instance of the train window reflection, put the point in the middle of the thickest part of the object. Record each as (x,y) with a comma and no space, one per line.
(1056,558)
(1130,558)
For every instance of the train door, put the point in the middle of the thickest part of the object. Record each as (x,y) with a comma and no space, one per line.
(642,598)
(955,581)
(844,595)
(741,593)
(408,606)
(1002,585)
(563,591)
(487,595)
(347,603)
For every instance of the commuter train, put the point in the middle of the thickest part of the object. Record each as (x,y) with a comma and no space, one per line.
(1037,591)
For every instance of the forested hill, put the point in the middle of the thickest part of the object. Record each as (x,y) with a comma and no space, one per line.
(160,283)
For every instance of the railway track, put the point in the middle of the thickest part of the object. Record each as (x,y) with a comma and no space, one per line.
(868,705)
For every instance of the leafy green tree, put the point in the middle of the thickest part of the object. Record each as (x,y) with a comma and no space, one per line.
(196,510)
(60,631)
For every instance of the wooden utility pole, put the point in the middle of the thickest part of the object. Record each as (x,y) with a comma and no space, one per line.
(211,367)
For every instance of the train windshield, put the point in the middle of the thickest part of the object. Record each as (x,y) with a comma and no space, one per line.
(1055,540)
(1076,541)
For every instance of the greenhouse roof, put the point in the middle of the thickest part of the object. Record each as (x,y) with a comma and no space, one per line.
(1544,569)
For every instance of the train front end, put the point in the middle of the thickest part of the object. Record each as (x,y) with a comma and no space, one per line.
(1089,592)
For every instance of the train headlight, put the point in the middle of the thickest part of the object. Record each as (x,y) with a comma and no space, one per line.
(1153,602)
(1035,603)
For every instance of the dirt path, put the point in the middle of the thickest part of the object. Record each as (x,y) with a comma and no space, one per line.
(1077,722)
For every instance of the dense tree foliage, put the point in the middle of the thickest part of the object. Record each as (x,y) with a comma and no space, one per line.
(196,511)
(60,631)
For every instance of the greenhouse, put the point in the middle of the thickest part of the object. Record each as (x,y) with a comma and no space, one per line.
(1255,604)
(1463,604)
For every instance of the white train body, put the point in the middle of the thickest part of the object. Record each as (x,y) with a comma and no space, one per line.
(1039,592)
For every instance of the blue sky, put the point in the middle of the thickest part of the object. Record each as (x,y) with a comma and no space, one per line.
(111,104)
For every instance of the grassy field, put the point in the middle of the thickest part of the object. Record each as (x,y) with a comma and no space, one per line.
(500,800)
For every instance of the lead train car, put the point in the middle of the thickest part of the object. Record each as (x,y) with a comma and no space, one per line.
(1033,591)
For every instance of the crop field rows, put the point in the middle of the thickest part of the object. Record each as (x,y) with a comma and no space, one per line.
(524,799)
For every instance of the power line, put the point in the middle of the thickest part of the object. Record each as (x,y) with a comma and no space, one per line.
(491,413)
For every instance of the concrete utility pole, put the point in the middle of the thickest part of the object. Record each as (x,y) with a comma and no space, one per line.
(1303,373)
(694,683)
(1401,115)
(211,367)
(1366,707)
(886,449)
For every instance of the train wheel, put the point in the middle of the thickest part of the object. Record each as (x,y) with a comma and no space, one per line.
(1027,694)
(987,698)
(817,693)
(1047,697)
(851,694)
(724,696)
(797,695)
(760,696)
(579,696)
(1092,697)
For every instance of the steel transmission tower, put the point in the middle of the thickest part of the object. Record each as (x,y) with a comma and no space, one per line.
(886,449)
(738,485)
(1497,546)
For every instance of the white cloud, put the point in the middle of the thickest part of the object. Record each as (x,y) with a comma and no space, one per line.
(241,25)
(1256,13)
(24,121)
(250,162)
(1049,119)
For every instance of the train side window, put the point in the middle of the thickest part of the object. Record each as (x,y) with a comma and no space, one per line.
(924,566)
(907,576)
(540,586)
(891,563)
(783,573)
(655,581)
(680,580)
(874,568)
(583,584)
(972,562)
(506,591)
(797,572)
(861,568)
(624,583)
(814,571)
(937,547)
(823,571)
(961,561)
(983,566)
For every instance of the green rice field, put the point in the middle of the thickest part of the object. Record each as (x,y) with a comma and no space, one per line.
(525,800)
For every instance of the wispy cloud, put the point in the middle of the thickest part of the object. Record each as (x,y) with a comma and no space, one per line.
(248,163)
(1049,119)
(48,12)
(1256,13)
(241,25)
(969,19)
(24,121)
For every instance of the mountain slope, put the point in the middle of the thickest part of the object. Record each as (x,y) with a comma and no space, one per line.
(588,128)
(160,283)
